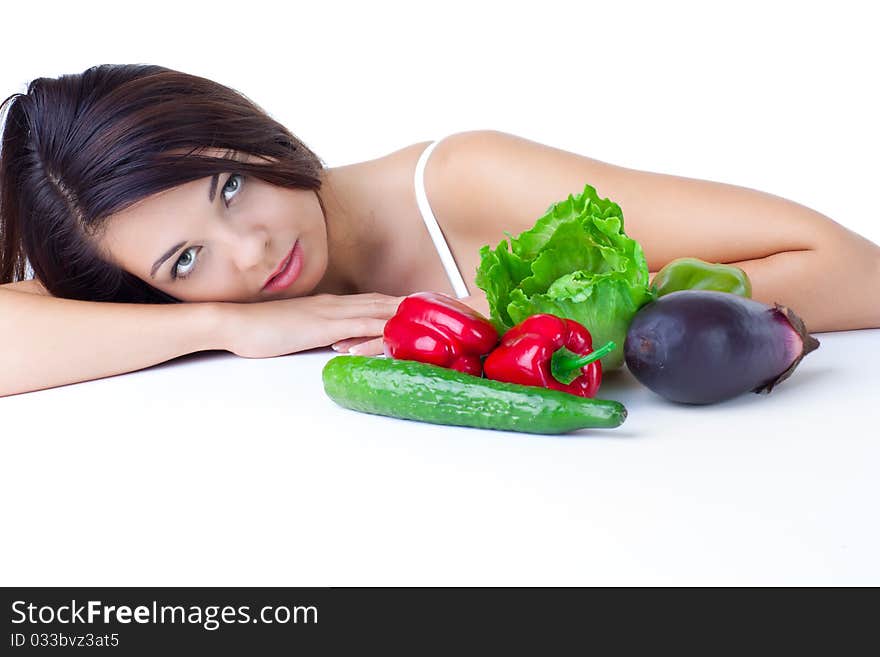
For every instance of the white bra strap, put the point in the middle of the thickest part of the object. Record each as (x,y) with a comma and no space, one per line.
(430,220)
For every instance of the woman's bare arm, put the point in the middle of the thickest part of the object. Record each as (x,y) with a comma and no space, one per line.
(794,255)
(47,342)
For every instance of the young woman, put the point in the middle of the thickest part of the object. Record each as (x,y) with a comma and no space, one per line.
(179,199)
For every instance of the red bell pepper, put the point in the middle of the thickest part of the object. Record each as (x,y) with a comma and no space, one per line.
(434,328)
(548,351)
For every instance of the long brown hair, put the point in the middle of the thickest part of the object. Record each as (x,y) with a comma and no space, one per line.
(79,148)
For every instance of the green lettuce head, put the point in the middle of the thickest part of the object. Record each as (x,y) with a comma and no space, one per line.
(576,262)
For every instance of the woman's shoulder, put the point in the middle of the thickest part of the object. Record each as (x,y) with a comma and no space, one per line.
(448,157)
(454,181)
(446,148)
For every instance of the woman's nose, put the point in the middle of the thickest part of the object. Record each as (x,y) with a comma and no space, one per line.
(251,251)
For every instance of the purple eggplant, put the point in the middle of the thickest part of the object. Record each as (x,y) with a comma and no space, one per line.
(701,347)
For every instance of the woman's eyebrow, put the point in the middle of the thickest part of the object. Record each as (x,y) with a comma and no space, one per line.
(212,192)
(170,252)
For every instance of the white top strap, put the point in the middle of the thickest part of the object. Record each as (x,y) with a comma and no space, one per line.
(430,220)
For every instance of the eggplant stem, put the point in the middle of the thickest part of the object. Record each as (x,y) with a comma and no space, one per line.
(809,344)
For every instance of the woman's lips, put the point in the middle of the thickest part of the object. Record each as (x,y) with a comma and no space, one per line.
(289,273)
(281,265)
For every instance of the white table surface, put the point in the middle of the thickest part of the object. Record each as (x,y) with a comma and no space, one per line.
(217,470)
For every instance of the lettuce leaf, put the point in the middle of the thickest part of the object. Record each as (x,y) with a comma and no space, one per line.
(576,262)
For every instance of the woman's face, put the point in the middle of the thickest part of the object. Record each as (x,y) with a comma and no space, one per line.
(220,249)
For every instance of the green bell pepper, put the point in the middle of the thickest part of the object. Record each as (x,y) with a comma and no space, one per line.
(696,274)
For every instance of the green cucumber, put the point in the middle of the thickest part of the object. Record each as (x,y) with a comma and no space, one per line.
(412,390)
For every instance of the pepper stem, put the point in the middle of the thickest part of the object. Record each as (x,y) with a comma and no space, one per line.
(566,366)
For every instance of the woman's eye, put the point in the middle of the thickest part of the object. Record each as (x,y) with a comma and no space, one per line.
(186,262)
(239,178)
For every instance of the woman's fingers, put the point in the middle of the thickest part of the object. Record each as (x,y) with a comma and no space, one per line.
(361,305)
(374,345)
(369,306)
(345,345)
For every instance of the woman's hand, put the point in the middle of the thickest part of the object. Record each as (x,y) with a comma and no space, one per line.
(274,328)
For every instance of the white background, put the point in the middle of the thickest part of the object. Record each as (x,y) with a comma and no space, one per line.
(218,470)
